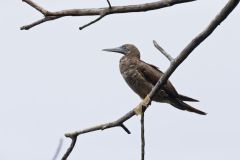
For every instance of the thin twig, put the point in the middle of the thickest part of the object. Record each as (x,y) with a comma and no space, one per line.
(98,11)
(69,150)
(58,149)
(92,22)
(125,128)
(168,56)
(36,6)
(142,136)
(180,58)
(109,4)
(49,18)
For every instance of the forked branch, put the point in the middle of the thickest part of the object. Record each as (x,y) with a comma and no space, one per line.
(174,64)
(101,12)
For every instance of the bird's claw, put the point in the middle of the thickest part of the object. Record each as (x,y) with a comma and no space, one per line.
(145,103)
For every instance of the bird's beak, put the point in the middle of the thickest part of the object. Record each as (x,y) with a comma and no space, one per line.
(118,50)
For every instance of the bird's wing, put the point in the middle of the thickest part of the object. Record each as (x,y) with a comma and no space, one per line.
(152,74)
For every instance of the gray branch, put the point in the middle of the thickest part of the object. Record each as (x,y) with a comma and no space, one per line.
(69,150)
(142,136)
(92,22)
(176,62)
(45,19)
(36,6)
(117,123)
(194,43)
(109,4)
(168,56)
(100,11)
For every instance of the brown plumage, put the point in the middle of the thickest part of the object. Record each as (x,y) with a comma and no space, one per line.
(141,78)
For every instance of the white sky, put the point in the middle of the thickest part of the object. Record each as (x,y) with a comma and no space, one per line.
(55,79)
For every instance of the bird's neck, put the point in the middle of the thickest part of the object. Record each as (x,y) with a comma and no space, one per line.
(130,57)
(128,62)
(135,54)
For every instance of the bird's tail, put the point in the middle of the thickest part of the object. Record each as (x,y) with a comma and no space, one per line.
(186,98)
(184,106)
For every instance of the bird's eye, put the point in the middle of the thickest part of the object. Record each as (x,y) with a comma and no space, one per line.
(124,47)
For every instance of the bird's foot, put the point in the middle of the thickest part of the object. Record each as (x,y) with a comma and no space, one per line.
(143,105)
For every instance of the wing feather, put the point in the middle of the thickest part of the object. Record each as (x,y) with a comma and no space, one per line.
(152,74)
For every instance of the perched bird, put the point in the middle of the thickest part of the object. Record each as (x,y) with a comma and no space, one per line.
(141,78)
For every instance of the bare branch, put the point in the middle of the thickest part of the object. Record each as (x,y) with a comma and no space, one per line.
(92,22)
(168,56)
(125,128)
(50,18)
(176,62)
(104,126)
(69,150)
(36,6)
(142,136)
(107,10)
(194,43)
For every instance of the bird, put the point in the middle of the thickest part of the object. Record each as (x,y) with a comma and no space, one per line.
(141,77)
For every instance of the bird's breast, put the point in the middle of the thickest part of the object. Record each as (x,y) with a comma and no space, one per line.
(131,70)
(136,82)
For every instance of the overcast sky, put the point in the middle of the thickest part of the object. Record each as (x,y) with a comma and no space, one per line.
(55,79)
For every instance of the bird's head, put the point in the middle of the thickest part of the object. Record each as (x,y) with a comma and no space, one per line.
(126,50)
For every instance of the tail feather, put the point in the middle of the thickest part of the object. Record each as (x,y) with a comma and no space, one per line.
(185,98)
(184,106)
